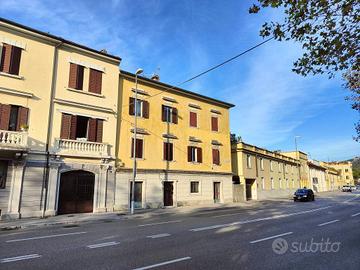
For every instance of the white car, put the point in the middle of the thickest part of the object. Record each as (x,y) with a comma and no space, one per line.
(353,188)
(346,188)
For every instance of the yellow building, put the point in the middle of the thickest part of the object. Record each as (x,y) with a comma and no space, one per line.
(332,177)
(183,146)
(317,176)
(345,170)
(304,166)
(260,174)
(57,121)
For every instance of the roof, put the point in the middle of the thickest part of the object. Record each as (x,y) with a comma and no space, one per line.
(179,90)
(60,39)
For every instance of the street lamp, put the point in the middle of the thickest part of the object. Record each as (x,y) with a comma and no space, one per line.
(138,71)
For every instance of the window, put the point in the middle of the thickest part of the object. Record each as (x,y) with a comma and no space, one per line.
(168,151)
(347,177)
(194,154)
(263,182)
(139,148)
(76,76)
(3,173)
(248,161)
(315,180)
(142,107)
(13,118)
(271,165)
(346,170)
(293,183)
(214,123)
(216,156)
(193,119)
(272,183)
(262,164)
(287,183)
(280,183)
(95,81)
(10,59)
(169,114)
(194,187)
(75,127)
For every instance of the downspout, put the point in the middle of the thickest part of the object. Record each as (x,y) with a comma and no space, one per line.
(49,129)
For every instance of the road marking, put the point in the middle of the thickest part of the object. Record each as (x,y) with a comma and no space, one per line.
(158,235)
(163,263)
(256,220)
(329,222)
(159,223)
(270,237)
(354,215)
(351,199)
(107,244)
(20,258)
(43,237)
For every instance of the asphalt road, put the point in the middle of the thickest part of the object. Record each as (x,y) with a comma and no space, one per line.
(323,234)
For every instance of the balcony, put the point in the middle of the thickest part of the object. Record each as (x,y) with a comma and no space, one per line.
(82,148)
(13,140)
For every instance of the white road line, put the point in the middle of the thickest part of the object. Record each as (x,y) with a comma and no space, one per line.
(43,237)
(351,199)
(354,215)
(20,258)
(270,237)
(107,244)
(163,263)
(256,220)
(158,235)
(159,223)
(329,222)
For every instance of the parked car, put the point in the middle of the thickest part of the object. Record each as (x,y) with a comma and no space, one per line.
(346,188)
(304,194)
(353,188)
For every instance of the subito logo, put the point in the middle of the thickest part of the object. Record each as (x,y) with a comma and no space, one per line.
(280,246)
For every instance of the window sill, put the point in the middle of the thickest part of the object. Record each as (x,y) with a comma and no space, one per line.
(172,161)
(11,75)
(194,162)
(193,127)
(85,92)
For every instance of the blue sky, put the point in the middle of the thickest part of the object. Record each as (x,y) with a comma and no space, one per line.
(179,39)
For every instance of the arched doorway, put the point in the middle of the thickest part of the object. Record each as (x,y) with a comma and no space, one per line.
(76,192)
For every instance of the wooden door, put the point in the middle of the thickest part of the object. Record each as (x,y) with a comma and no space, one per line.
(216,192)
(137,195)
(248,189)
(168,193)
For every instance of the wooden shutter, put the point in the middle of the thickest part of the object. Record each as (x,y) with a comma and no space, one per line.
(193,119)
(189,154)
(5,58)
(5,116)
(216,156)
(80,77)
(132,147)
(22,117)
(73,75)
(171,151)
(15,60)
(165,151)
(163,114)
(199,154)
(174,115)
(92,130)
(65,126)
(214,124)
(95,81)
(145,108)
(131,106)
(73,127)
(139,148)
(99,130)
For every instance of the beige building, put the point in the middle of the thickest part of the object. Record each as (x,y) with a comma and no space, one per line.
(304,166)
(317,176)
(332,177)
(345,170)
(260,173)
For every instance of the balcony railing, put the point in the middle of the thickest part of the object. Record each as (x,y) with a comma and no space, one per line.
(82,148)
(13,139)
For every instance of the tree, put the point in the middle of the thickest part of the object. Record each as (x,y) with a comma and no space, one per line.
(329,31)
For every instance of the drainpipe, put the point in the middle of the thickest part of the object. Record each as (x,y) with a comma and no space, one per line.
(49,128)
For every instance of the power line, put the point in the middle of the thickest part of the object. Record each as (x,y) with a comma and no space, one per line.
(209,70)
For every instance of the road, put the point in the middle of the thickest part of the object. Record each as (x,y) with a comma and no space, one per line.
(323,234)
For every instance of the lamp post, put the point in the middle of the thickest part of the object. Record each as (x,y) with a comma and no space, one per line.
(298,157)
(138,71)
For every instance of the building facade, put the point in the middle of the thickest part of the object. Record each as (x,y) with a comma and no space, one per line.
(260,174)
(182,142)
(317,176)
(345,171)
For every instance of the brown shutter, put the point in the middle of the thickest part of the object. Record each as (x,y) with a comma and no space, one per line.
(73,75)
(5,58)
(22,117)
(65,126)
(131,106)
(132,147)
(95,81)
(80,77)
(216,156)
(165,152)
(139,148)
(5,116)
(163,115)
(92,130)
(189,153)
(171,151)
(199,154)
(15,60)
(174,115)
(214,124)
(193,119)
(73,127)
(99,131)
(145,109)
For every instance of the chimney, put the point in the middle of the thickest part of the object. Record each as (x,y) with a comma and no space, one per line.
(155,77)
(103,51)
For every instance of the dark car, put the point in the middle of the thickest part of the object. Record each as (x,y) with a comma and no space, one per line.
(304,194)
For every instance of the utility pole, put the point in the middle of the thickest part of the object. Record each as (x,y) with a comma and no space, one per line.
(138,71)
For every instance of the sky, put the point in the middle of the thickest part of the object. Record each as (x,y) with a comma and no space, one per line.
(179,39)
